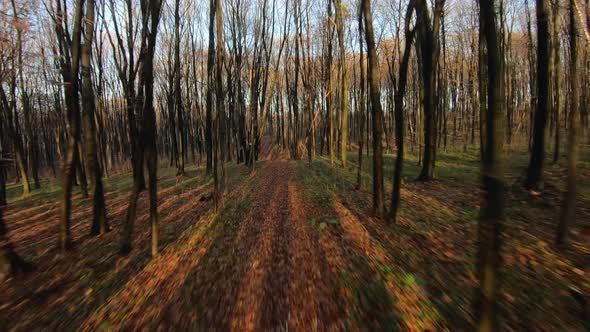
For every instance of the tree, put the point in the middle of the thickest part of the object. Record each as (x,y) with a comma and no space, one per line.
(568,212)
(343,80)
(556,74)
(492,211)
(178,91)
(376,110)
(99,219)
(69,48)
(534,176)
(150,10)
(150,14)
(26,105)
(16,142)
(399,115)
(361,102)
(209,98)
(427,48)
(219,153)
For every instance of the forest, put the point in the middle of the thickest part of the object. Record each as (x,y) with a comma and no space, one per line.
(307,165)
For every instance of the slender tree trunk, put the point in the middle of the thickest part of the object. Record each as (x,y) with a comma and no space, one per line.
(399,115)
(70,77)
(556,76)
(220,99)
(31,141)
(178,90)
(99,221)
(492,212)
(209,97)
(329,90)
(568,213)
(534,177)
(377,112)
(361,104)
(21,165)
(343,80)
(428,53)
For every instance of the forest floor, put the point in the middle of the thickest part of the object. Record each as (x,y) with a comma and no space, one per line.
(295,247)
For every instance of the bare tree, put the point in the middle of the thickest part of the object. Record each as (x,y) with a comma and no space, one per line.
(376,110)
(399,115)
(99,219)
(492,212)
(568,213)
(534,176)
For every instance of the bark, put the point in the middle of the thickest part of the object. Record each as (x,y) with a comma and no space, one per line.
(376,110)
(556,76)
(219,101)
(492,212)
(328,97)
(16,142)
(209,97)
(33,164)
(178,90)
(427,50)
(534,177)
(361,103)
(343,81)
(70,68)
(99,220)
(399,114)
(568,212)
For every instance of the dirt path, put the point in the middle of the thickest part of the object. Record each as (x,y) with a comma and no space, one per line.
(263,270)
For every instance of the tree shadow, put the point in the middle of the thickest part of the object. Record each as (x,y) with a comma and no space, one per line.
(67,289)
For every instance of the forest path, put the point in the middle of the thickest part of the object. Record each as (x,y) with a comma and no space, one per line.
(264,270)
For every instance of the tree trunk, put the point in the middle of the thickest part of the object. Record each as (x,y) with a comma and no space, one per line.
(556,75)
(361,104)
(343,80)
(534,177)
(178,90)
(377,112)
(428,54)
(209,97)
(492,212)
(399,115)
(99,221)
(70,77)
(568,213)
